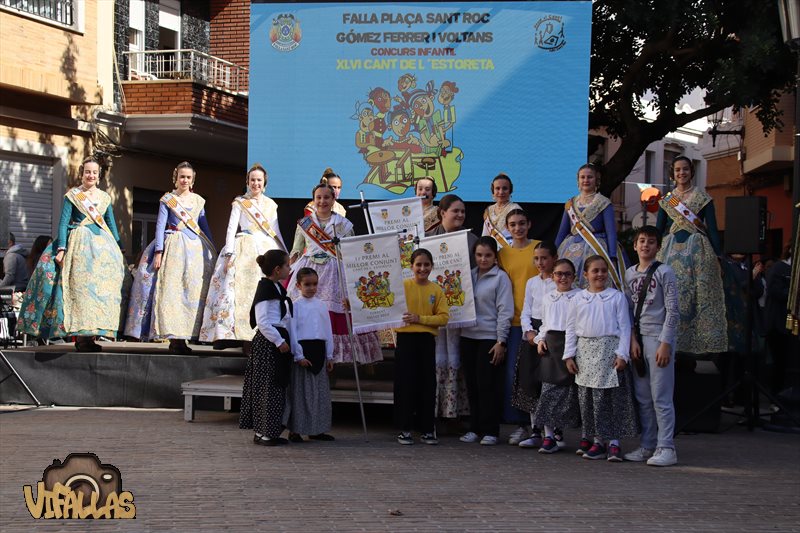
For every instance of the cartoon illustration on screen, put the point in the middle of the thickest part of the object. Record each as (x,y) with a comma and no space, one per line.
(412,138)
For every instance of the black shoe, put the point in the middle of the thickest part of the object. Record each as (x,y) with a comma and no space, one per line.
(322,436)
(277,441)
(295,437)
(179,348)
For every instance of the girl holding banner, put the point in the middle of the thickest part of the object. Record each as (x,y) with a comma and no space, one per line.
(691,248)
(230,294)
(494,217)
(414,378)
(314,248)
(451,393)
(83,296)
(588,228)
(171,281)
(426,189)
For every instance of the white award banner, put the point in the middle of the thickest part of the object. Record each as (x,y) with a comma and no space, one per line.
(374,281)
(451,271)
(398,215)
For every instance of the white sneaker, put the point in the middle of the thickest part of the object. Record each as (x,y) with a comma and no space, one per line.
(639,455)
(469,437)
(663,457)
(517,436)
(534,441)
(488,440)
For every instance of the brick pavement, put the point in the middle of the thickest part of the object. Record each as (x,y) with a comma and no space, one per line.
(209,476)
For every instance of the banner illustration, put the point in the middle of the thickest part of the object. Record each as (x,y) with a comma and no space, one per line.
(374,281)
(452,272)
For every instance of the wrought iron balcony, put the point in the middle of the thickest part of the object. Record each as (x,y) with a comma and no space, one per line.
(160,65)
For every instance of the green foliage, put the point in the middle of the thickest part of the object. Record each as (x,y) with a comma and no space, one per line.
(664,49)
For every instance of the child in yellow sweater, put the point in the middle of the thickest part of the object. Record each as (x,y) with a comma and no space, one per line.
(415,352)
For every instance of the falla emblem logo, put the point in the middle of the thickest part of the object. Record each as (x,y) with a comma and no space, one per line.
(285,33)
(80,487)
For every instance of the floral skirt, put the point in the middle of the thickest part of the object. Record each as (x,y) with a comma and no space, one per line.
(231,290)
(83,297)
(701,300)
(451,386)
(169,303)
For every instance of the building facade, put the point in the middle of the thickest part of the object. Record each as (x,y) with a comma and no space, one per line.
(144,83)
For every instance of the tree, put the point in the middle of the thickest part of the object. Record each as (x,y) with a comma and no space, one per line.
(663,50)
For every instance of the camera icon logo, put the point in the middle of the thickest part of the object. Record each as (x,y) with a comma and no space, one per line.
(80,487)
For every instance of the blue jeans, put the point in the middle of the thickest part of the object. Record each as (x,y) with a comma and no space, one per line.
(654,394)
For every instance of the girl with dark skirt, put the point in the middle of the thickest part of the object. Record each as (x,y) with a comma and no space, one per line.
(557,406)
(270,361)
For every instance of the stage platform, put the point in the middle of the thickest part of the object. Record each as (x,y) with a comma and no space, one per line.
(134,374)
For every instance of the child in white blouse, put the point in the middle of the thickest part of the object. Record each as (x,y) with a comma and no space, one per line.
(597,347)
(558,402)
(526,386)
(308,402)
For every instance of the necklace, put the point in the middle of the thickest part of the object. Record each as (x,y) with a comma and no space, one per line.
(586,200)
(684,193)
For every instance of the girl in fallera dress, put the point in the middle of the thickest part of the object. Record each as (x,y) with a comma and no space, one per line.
(597,351)
(483,346)
(308,403)
(426,188)
(588,228)
(76,287)
(171,281)
(558,405)
(494,217)
(415,355)
(313,249)
(270,361)
(226,320)
(451,392)
(526,383)
(691,247)
(517,260)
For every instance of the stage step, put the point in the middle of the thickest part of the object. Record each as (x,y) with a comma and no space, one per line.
(229,386)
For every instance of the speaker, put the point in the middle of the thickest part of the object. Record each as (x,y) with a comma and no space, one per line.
(745,224)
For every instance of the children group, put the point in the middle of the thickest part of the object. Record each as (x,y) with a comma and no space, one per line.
(572,372)
(559,324)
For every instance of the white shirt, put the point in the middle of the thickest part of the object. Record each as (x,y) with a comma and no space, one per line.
(555,311)
(535,289)
(312,322)
(268,317)
(599,314)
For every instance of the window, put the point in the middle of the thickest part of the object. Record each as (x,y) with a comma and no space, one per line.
(62,12)
(669,155)
(136,37)
(650,167)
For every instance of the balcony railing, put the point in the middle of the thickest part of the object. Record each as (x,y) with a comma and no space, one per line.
(152,65)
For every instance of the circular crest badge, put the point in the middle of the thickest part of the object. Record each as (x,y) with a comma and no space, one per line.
(549,33)
(285,33)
